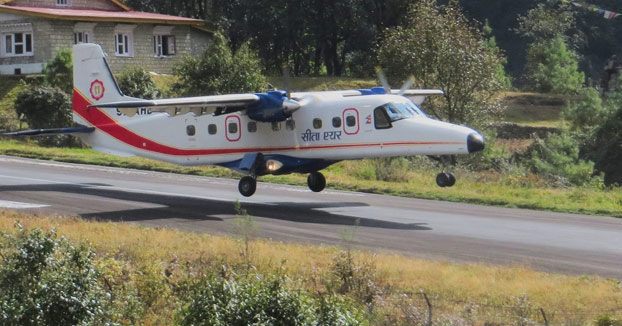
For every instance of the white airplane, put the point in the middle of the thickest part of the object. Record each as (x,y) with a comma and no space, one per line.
(258,134)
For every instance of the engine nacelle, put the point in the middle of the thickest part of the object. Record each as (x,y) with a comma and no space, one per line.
(273,107)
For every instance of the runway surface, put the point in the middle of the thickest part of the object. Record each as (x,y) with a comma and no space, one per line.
(563,243)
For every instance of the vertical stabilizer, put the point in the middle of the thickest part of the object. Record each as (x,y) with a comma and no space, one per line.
(93,81)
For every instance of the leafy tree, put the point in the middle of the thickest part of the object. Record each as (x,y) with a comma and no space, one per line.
(553,68)
(46,107)
(45,280)
(220,71)
(59,71)
(137,82)
(443,49)
(549,21)
(258,301)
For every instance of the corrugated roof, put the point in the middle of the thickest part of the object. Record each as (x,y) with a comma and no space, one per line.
(100,15)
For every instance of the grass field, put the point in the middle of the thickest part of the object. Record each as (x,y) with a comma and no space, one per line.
(487,188)
(459,292)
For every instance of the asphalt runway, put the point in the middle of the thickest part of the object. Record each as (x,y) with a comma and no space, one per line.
(552,242)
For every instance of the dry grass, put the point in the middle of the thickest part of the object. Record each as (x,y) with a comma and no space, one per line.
(478,284)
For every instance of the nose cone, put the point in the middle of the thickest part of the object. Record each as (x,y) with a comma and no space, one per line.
(475,143)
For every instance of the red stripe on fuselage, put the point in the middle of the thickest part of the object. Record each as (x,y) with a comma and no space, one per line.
(99,119)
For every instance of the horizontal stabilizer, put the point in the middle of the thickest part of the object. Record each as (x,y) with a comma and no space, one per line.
(57,131)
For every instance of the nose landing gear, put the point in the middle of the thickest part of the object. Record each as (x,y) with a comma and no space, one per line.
(316,181)
(445,180)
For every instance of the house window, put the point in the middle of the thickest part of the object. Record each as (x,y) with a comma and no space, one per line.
(63,3)
(81,37)
(164,45)
(123,43)
(17,44)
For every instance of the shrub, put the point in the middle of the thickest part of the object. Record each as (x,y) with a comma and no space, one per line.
(608,321)
(557,157)
(137,82)
(588,113)
(259,301)
(392,169)
(45,107)
(59,71)
(45,280)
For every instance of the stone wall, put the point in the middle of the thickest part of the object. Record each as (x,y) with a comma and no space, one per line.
(75,4)
(50,36)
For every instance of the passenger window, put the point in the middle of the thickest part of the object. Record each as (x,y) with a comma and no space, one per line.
(337,122)
(191,130)
(276,126)
(252,126)
(350,121)
(233,128)
(290,124)
(317,123)
(212,129)
(381,118)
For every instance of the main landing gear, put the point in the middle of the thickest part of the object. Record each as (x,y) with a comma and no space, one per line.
(316,181)
(247,186)
(445,180)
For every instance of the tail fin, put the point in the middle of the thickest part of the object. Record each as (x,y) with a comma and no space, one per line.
(93,81)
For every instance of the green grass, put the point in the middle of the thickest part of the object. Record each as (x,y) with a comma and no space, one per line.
(486,188)
(534,109)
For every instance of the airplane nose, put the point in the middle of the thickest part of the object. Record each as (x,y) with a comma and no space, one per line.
(475,143)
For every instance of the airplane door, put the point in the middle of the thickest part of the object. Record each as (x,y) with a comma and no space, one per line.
(351,121)
(233,128)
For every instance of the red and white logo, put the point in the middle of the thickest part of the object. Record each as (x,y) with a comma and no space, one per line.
(97,90)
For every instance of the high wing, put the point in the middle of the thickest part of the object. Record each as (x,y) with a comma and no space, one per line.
(200,105)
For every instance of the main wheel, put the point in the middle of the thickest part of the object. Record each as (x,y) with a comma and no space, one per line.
(247,186)
(452,180)
(316,181)
(442,180)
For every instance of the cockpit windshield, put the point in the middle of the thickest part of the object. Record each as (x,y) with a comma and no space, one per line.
(402,110)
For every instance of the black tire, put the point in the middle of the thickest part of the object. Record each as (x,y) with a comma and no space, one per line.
(247,186)
(442,180)
(316,181)
(452,180)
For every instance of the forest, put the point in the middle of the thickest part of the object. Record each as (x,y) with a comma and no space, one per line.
(341,37)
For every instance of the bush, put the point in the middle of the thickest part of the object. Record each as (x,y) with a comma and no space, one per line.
(137,82)
(608,321)
(557,157)
(588,113)
(392,169)
(45,280)
(220,71)
(46,107)
(59,71)
(259,301)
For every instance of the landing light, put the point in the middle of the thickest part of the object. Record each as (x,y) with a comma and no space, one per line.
(273,165)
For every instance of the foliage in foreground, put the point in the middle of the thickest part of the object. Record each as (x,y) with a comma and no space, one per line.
(46,280)
(58,71)
(260,301)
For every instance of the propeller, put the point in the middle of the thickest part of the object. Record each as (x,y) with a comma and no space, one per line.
(289,105)
(385,83)
(383,80)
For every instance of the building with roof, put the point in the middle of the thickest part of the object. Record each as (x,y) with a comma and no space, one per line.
(33,31)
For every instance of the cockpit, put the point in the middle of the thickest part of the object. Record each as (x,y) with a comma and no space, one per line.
(388,113)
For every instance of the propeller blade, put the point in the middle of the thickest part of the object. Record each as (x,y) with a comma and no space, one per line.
(383,80)
(407,85)
(287,81)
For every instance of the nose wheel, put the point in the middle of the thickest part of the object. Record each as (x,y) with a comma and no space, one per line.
(316,181)
(445,180)
(247,186)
